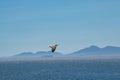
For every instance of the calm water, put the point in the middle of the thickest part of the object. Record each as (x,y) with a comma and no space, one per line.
(70,69)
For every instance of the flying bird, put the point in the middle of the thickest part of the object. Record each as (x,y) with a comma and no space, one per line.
(53,47)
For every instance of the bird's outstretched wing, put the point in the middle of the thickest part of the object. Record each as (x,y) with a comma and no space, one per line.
(53,47)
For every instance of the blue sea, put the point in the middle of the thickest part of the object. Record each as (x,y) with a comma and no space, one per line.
(60,69)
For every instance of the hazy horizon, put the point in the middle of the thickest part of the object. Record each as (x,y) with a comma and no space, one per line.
(75,24)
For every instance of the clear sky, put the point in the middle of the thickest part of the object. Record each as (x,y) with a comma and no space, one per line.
(32,25)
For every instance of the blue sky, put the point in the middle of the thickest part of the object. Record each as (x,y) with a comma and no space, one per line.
(32,25)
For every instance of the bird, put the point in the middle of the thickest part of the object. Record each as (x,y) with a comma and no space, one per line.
(53,47)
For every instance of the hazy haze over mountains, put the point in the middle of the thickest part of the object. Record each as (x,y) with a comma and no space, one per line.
(95,50)
(38,54)
(92,50)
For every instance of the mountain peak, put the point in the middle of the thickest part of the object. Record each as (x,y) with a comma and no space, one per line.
(24,54)
(93,46)
(111,47)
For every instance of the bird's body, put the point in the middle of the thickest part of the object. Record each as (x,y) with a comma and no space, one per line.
(53,47)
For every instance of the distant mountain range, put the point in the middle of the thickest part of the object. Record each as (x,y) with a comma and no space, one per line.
(38,54)
(89,51)
(94,50)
